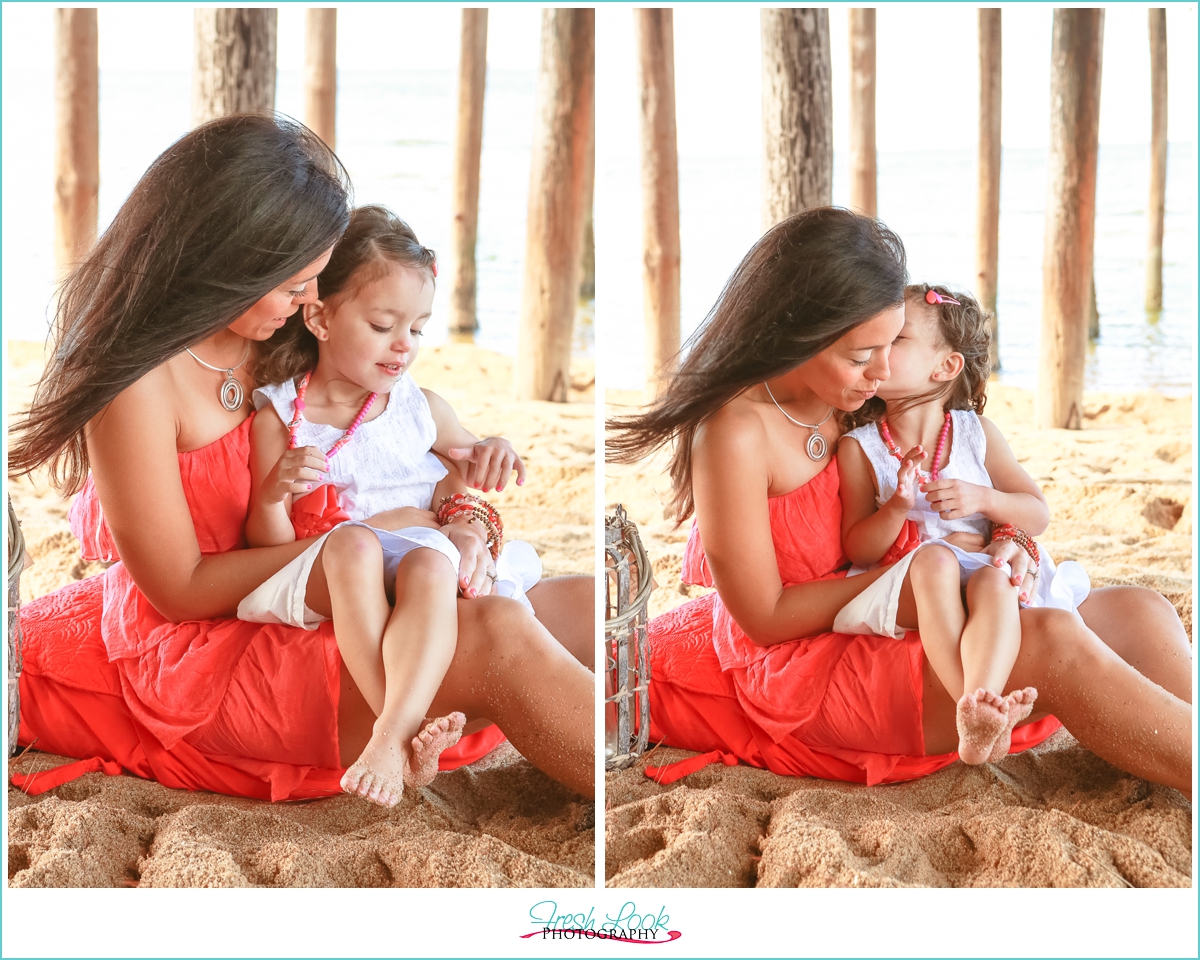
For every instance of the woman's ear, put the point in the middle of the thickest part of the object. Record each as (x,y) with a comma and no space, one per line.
(951,366)
(315,319)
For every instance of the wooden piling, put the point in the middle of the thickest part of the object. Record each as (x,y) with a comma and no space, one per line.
(797,109)
(320,73)
(587,265)
(554,224)
(1156,208)
(234,65)
(863,177)
(77,135)
(468,145)
(660,193)
(987,216)
(1076,51)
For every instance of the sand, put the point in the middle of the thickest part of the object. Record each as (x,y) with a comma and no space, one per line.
(1120,494)
(498,823)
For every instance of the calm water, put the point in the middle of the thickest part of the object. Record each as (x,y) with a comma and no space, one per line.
(929,199)
(395,135)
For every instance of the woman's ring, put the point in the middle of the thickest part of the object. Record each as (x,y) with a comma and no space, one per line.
(493,577)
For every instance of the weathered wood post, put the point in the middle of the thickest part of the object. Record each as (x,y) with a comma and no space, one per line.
(554,224)
(797,111)
(987,217)
(77,135)
(587,267)
(468,145)
(863,177)
(234,70)
(660,193)
(1076,51)
(320,73)
(1158,158)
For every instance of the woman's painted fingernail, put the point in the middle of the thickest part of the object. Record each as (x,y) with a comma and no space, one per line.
(474,593)
(1018,578)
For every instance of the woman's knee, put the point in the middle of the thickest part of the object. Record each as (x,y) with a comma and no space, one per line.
(497,627)
(1056,639)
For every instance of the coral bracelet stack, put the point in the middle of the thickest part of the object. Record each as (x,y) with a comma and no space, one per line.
(1006,531)
(474,508)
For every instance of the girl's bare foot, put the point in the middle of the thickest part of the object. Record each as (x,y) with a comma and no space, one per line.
(385,765)
(981,719)
(1020,705)
(427,746)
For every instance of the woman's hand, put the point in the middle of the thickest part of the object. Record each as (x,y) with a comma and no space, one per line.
(952,499)
(489,463)
(401,517)
(476,568)
(1024,570)
(295,473)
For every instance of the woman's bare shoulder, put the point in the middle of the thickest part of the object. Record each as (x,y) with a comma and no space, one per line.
(733,435)
(147,403)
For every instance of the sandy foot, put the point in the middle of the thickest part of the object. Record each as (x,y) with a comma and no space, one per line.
(981,719)
(1020,705)
(385,766)
(427,746)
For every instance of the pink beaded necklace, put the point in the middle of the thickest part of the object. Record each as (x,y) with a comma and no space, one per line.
(298,408)
(937,454)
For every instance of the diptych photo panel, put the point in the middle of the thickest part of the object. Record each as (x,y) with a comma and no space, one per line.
(613,453)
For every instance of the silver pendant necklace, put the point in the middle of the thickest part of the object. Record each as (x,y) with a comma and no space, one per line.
(817,446)
(232,393)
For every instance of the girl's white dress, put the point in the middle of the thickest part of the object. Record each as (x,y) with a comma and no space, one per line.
(874,610)
(388,464)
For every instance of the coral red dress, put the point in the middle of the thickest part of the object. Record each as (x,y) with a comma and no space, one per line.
(239,708)
(831,706)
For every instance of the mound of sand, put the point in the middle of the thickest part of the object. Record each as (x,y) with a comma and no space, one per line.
(499,822)
(1120,500)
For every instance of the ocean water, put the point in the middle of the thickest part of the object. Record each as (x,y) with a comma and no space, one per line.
(928,198)
(395,136)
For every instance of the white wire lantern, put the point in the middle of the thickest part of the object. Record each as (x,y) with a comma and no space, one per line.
(16,563)
(627,585)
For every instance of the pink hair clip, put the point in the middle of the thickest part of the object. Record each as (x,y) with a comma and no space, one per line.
(433,266)
(934,298)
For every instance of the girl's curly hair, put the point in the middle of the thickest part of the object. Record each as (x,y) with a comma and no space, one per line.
(964,328)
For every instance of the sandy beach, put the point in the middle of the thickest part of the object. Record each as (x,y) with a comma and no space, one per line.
(1120,500)
(499,822)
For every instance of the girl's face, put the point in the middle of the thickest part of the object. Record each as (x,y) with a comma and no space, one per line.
(272,311)
(371,336)
(848,373)
(920,362)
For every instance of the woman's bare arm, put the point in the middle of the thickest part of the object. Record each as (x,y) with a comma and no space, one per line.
(135,466)
(731,483)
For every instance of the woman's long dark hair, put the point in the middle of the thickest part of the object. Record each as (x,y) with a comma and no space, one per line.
(225,215)
(806,283)
(374,242)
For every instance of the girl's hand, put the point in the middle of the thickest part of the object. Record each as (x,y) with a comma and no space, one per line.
(905,497)
(296,472)
(476,563)
(490,461)
(952,499)
(1024,570)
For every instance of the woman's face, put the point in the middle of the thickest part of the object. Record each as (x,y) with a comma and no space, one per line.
(272,311)
(848,373)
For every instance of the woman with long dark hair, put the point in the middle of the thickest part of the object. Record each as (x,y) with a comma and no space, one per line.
(143,410)
(802,331)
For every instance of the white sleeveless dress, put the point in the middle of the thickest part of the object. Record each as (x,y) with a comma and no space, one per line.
(388,464)
(874,610)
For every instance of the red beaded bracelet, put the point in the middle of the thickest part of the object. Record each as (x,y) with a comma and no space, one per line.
(474,508)
(1006,531)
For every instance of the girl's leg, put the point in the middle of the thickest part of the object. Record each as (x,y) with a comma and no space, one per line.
(418,644)
(508,667)
(1108,706)
(931,597)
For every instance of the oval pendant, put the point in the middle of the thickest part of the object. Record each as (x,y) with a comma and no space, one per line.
(817,446)
(232,394)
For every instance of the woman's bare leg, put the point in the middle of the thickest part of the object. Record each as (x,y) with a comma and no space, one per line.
(418,644)
(1108,706)
(566,606)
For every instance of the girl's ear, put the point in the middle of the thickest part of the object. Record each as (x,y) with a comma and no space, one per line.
(315,319)
(950,367)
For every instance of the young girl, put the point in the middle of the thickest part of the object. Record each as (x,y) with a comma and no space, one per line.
(341,434)
(930,508)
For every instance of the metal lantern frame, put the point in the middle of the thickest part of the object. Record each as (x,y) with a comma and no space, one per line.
(626,649)
(16,563)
